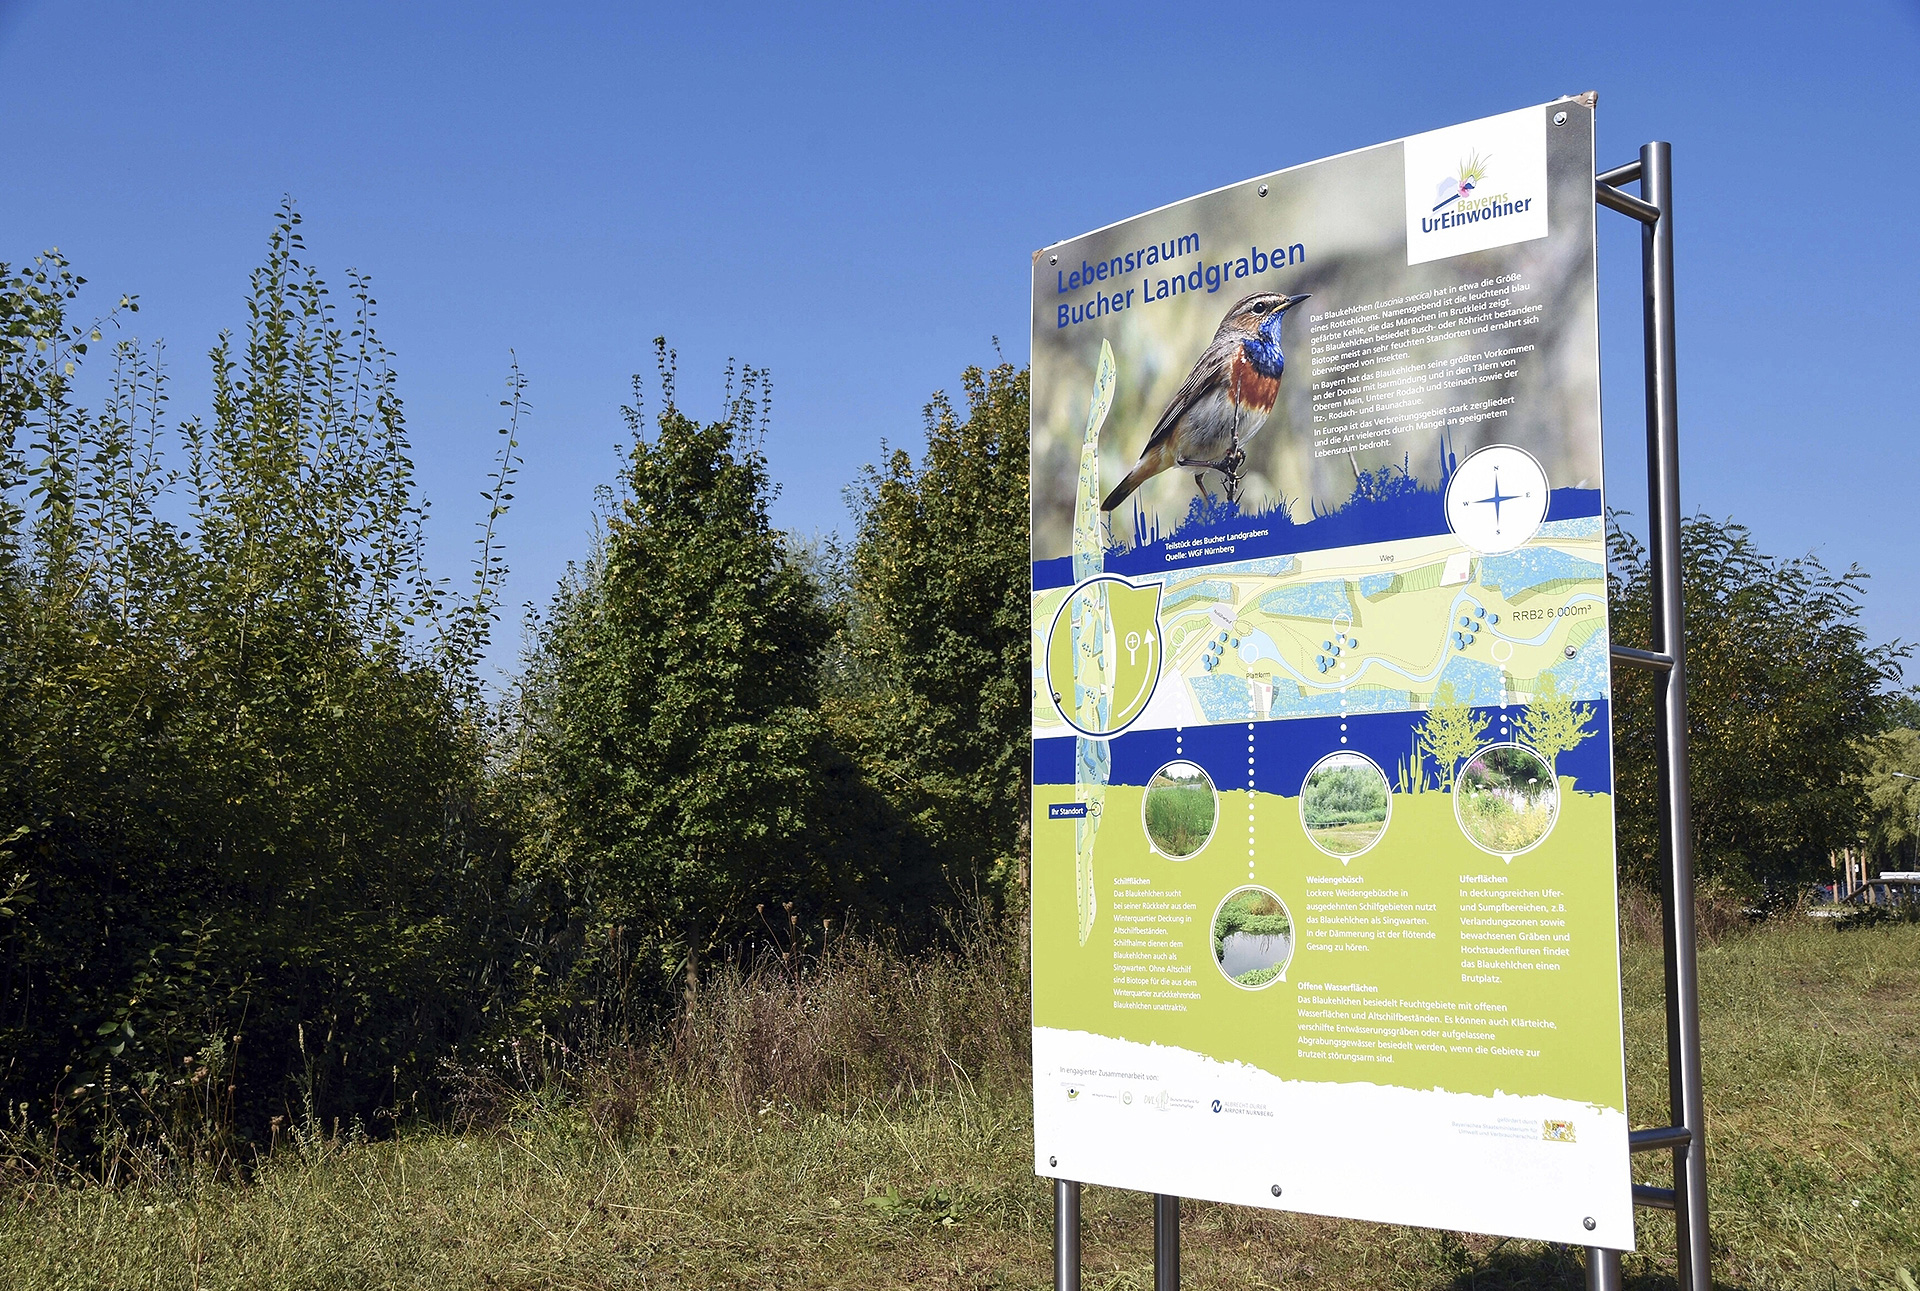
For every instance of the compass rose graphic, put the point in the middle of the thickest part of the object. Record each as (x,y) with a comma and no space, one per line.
(1497,499)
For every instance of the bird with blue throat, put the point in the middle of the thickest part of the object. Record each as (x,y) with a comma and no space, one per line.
(1223,402)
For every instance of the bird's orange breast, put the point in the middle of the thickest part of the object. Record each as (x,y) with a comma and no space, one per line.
(1250,387)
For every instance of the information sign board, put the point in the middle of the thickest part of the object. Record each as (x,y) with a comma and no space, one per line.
(1323,874)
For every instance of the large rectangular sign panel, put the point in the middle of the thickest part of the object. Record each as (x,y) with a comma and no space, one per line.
(1323,883)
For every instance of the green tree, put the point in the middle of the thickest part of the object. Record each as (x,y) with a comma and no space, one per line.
(675,751)
(1451,732)
(240,765)
(1892,784)
(1783,688)
(1552,723)
(928,680)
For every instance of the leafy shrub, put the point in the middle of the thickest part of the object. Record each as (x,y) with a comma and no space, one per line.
(1782,687)
(1344,795)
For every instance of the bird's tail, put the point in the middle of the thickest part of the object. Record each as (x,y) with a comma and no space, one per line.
(1124,489)
(1145,469)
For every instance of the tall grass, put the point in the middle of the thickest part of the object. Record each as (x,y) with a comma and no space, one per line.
(857,1027)
(1501,825)
(863,1121)
(1179,814)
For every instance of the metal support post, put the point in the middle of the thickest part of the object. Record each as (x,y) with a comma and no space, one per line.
(1685,1137)
(1166,1242)
(1687,1104)
(1603,1269)
(1066,1235)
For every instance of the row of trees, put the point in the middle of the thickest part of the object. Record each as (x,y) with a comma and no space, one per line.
(716,720)
(247,860)
(267,850)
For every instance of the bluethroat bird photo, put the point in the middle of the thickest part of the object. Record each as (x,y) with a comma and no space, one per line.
(1225,399)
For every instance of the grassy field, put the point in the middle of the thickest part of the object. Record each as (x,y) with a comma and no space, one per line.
(1180,813)
(704,1170)
(1344,840)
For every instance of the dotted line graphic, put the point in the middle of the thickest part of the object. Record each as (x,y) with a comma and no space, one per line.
(1250,801)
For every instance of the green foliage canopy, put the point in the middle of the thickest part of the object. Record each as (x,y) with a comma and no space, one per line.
(675,776)
(1344,795)
(929,680)
(1892,783)
(1782,689)
(240,759)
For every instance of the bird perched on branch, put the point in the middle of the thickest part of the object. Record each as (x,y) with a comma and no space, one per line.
(1225,399)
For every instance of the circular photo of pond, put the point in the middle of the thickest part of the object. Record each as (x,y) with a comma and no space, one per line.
(1179,810)
(1506,799)
(1345,804)
(1252,937)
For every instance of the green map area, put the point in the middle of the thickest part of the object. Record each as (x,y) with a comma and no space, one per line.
(1103,654)
(1373,629)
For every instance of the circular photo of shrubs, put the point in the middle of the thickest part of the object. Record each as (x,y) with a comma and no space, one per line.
(1252,937)
(1179,810)
(1506,799)
(1345,803)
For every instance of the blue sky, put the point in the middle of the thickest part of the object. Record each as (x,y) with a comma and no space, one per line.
(849,197)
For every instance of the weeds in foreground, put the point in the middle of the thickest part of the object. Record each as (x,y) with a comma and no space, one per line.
(865,1123)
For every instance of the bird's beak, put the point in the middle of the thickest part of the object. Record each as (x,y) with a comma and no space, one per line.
(1294,300)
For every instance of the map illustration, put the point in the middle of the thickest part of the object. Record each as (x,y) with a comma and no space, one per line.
(1381,628)
(1103,654)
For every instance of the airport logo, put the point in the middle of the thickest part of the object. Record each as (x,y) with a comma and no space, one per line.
(1477,186)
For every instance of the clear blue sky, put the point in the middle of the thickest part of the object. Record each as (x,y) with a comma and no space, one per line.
(850,199)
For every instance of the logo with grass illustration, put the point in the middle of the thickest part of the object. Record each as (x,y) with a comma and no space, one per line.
(1472,175)
(1476,186)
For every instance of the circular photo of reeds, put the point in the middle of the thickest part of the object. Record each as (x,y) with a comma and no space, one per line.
(1506,799)
(1252,937)
(1345,804)
(1179,810)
